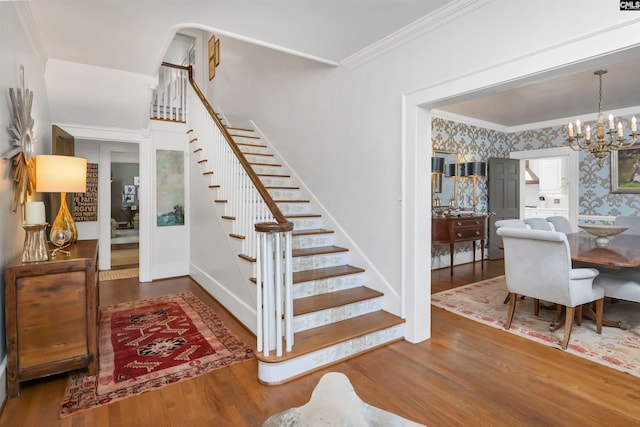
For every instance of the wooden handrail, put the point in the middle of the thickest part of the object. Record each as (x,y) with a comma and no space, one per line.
(283,224)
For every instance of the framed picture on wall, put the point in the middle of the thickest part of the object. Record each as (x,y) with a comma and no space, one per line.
(129,189)
(625,170)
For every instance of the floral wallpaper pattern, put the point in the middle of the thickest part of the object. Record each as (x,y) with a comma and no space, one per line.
(473,143)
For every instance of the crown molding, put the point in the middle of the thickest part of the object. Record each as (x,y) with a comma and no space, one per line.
(440,17)
(26,19)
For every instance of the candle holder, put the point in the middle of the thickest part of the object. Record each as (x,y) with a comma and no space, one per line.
(35,243)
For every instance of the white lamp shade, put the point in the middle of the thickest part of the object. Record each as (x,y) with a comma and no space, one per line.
(58,174)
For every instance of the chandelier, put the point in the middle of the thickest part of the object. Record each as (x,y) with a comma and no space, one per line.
(601,144)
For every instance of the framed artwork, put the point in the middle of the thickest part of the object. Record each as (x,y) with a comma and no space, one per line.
(216,55)
(212,46)
(625,170)
(169,187)
(128,198)
(212,69)
(85,205)
(130,189)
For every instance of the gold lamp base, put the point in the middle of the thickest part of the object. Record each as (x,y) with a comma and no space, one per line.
(63,229)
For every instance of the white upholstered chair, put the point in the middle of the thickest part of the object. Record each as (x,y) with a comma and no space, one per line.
(511,223)
(538,224)
(537,264)
(620,284)
(633,222)
(560,223)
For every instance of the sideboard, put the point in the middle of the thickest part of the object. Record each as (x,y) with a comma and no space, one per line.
(51,311)
(455,229)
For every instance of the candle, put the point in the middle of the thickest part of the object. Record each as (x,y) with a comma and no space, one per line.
(578,128)
(34,213)
(620,129)
(588,133)
(570,130)
(610,121)
(634,127)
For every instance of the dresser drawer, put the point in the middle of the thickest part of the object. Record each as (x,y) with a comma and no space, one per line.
(461,223)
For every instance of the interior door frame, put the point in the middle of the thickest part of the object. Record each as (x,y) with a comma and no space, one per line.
(573,166)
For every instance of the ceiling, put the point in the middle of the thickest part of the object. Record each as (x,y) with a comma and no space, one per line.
(134,36)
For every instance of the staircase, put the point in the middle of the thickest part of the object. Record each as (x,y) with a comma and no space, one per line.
(336,316)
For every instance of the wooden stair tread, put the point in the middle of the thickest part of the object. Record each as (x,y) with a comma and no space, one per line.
(273,175)
(248,144)
(247,153)
(318,338)
(311,231)
(292,201)
(310,215)
(275,187)
(325,273)
(241,129)
(333,299)
(243,136)
(265,164)
(320,250)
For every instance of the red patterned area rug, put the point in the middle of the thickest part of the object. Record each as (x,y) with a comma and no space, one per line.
(151,343)
(616,348)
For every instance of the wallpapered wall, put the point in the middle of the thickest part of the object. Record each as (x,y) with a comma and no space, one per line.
(474,143)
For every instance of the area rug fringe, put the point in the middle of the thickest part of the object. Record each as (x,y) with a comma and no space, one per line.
(616,348)
(86,392)
(125,273)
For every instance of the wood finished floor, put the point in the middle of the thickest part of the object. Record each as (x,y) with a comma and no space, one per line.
(467,374)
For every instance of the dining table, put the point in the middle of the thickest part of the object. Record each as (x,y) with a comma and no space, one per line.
(622,251)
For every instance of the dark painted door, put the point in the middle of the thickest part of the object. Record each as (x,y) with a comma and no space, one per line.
(504,197)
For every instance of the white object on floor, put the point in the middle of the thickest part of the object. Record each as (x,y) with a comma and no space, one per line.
(334,402)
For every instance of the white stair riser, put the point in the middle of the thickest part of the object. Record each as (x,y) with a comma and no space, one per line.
(312,262)
(323,286)
(306,223)
(294,208)
(275,373)
(312,241)
(260,159)
(245,132)
(248,149)
(336,314)
(269,170)
(275,180)
(284,194)
(237,137)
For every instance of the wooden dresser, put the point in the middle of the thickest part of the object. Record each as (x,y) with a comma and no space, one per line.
(51,311)
(453,229)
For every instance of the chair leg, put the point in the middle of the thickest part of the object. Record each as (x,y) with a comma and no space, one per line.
(536,307)
(579,315)
(568,323)
(599,310)
(512,309)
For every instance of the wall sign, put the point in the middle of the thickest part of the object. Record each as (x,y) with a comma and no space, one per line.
(85,205)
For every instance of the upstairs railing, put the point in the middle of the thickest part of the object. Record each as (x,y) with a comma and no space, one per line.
(258,223)
(169,99)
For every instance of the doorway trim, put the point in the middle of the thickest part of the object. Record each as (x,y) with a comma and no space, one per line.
(143,139)
(573,166)
(415,263)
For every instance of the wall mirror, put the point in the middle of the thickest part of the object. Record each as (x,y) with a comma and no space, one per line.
(444,185)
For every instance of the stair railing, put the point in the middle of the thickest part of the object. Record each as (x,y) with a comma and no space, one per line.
(257,221)
(169,99)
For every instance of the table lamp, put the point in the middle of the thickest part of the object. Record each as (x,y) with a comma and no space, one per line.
(451,171)
(61,174)
(474,170)
(437,168)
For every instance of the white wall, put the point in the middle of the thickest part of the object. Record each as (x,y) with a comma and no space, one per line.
(341,130)
(15,50)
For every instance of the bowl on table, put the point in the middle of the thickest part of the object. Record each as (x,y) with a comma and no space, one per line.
(603,233)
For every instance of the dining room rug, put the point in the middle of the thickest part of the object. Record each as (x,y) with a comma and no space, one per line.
(616,348)
(150,343)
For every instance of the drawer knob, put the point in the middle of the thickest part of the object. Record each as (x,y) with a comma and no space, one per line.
(477,233)
(458,223)
(477,222)
(459,234)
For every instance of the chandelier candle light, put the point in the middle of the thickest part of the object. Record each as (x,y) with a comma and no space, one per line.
(600,146)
